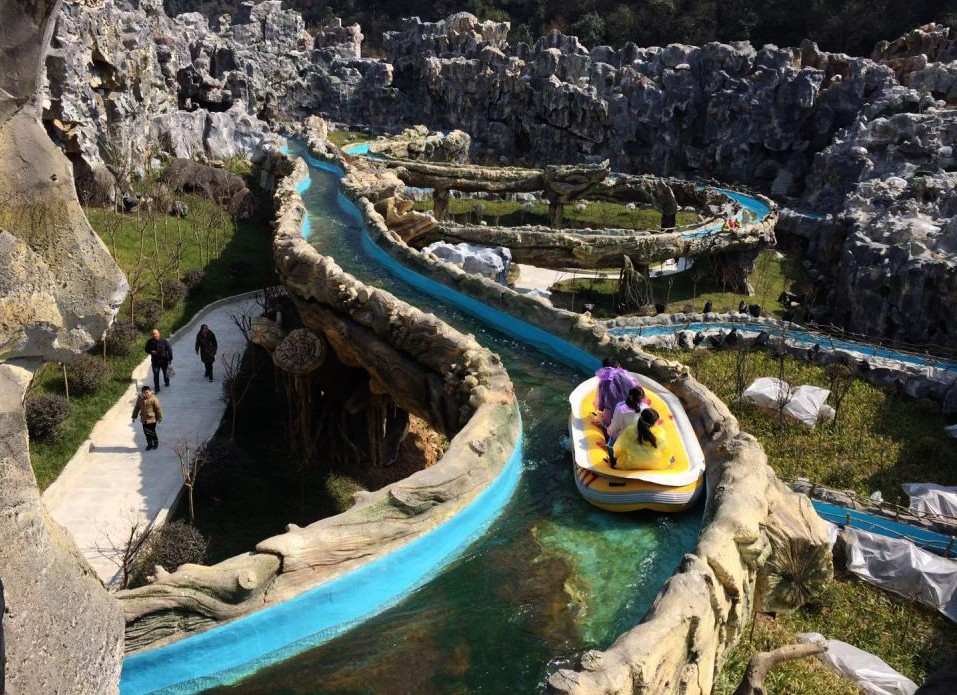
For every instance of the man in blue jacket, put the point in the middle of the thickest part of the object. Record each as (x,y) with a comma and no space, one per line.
(161,357)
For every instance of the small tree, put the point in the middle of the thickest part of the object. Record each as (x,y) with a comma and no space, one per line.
(191,460)
(236,385)
(126,554)
(840,379)
(784,395)
(741,367)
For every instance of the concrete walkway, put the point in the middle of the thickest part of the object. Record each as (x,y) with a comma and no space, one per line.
(532,277)
(112,482)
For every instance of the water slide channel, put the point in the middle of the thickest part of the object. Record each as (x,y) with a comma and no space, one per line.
(552,577)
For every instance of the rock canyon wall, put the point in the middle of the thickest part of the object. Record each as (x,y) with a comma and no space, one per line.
(59,290)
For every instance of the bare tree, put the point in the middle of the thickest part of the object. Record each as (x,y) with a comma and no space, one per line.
(840,379)
(784,394)
(244,322)
(124,554)
(742,372)
(135,275)
(117,151)
(236,384)
(166,265)
(191,458)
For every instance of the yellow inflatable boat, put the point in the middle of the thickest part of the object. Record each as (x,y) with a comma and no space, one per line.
(673,487)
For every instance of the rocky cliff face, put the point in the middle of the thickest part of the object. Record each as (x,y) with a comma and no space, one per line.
(718,110)
(126,81)
(887,252)
(59,289)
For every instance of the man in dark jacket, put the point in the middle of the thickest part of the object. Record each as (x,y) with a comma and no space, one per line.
(161,357)
(206,348)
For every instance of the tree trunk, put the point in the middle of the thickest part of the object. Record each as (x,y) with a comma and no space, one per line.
(440,203)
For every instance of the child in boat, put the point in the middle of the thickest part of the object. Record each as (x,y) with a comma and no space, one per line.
(642,445)
(613,386)
(626,413)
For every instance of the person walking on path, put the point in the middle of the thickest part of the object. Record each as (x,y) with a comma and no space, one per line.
(161,357)
(206,348)
(151,414)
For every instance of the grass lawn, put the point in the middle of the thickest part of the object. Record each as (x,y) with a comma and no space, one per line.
(881,441)
(342,138)
(235,258)
(511,213)
(689,291)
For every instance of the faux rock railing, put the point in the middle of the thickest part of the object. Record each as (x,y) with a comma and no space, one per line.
(552,247)
(599,248)
(425,366)
(761,545)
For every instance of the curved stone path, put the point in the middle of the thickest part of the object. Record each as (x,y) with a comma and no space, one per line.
(112,482)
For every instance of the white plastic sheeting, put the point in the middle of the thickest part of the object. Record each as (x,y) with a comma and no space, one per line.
(767,392)
(868,672)
(900,566)
(929,498)
(805,404)
(491,262)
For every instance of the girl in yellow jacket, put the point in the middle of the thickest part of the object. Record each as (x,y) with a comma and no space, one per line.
(641,445)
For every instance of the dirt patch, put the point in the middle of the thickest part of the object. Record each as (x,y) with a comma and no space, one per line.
(421,448)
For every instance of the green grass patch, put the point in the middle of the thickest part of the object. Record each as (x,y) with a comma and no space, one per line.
(235,257)
(511,213)
(880,441)
(690,290)
(911,638)
(343,138)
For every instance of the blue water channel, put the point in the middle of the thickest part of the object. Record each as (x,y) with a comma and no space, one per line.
(551,577)
(794,334)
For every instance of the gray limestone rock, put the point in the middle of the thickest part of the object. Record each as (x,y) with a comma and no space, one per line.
(59,289)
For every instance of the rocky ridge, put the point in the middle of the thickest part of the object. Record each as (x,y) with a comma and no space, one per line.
(884,250)
(126,82)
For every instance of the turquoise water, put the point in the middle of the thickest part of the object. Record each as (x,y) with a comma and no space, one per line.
(553,576)
(799,336)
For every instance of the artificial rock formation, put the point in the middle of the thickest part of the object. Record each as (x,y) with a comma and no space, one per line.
(59,290)
(549,247)
(417,143)
(600,248)
(421,364)
(884,255)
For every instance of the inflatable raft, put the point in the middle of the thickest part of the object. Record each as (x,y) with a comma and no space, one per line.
(672,488)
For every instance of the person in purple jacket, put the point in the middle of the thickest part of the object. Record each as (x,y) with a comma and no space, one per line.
(614,383)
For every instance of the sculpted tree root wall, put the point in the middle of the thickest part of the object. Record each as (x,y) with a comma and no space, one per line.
(589,249)
(425,366)
(552,247)
(761,545)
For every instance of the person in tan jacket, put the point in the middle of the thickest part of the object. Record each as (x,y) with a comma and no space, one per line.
(151,414)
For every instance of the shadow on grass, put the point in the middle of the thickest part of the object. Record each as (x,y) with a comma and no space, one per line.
(689,291)
(924,451)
